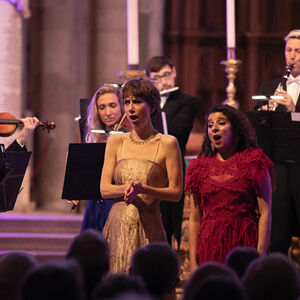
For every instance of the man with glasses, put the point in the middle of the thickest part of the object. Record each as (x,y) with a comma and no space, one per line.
(180,110)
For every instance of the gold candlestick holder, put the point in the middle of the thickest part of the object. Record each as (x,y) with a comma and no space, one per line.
(231,70)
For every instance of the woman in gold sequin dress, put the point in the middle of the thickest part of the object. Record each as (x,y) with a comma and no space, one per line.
(141,168)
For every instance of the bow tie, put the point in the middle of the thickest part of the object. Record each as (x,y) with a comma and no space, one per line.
(293,79)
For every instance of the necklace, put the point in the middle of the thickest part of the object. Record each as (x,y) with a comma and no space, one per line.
(132,140)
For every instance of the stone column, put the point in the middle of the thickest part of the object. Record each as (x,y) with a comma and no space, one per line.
(11,80)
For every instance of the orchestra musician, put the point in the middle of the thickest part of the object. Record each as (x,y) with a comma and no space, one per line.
(180,110)
(286,194)
(290,89)
(104,114)
(29,125)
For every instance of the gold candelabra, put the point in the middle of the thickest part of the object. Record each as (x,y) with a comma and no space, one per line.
(231,70)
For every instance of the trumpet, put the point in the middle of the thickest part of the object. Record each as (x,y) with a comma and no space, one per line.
(282,83)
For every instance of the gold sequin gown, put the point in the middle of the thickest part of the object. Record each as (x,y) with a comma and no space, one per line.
(131,226)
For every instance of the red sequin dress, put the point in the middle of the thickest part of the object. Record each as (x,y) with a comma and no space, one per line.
(226,193)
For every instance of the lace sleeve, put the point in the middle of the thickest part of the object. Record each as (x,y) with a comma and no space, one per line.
(193,177)
(260,166)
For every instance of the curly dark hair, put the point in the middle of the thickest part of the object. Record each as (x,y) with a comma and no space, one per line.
(243,132)
(142,89)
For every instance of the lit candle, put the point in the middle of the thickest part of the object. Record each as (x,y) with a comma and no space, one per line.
(230,28)
(132,34)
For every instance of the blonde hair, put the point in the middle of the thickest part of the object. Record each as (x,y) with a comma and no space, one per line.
(93,120)
(294,34)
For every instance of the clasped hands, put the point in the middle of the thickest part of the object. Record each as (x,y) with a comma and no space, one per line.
(131,190)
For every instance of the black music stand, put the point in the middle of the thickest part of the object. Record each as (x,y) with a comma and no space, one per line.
(13,168)
(277,134)
(83,171)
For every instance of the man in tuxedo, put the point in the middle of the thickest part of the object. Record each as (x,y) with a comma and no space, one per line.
(286,193)
(29,125)
(180,110)
(290,91)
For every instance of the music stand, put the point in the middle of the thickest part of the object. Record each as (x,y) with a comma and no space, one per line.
(14,165)
(83,171)
(277,134)
(84,103)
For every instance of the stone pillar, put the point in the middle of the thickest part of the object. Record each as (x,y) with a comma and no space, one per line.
(10,62)
(11,81)
(58,65)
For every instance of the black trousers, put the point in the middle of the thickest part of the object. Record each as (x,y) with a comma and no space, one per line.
(285,206)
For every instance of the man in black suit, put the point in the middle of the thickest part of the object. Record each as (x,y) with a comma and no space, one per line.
(180,110)
(286,194)
(290,90)
(29,125)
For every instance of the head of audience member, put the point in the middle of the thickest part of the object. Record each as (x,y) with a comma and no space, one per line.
(115,285)
(205,270)
(227,129)
(133,296)
(240,258)
(272,277)
(141,89)
(158,265)
(218,287)
(57,280)
(161,72)
(91,250)
(104,111)
(13,267)
(292,50)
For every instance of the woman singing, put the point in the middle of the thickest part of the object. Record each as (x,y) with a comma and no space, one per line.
(230,189)
(141,168)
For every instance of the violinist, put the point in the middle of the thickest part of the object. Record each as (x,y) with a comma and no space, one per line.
(29,125)
(180,110)
(104,113)
(286,194)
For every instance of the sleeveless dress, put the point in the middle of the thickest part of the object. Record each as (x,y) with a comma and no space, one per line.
(129,227)
(226,192)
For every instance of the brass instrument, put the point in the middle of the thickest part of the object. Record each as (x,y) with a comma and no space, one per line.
(281,84)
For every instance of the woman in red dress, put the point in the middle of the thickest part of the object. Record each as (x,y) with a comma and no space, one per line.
(230,189)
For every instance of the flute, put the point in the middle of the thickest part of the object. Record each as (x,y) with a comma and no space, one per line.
(169,90)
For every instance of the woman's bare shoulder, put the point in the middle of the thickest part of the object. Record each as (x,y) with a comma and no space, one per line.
(168,140)
(116,139)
